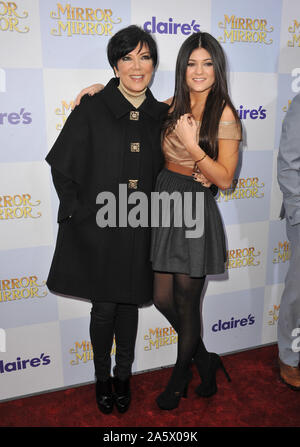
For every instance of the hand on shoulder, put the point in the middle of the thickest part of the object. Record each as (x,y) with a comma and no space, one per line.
(91,90)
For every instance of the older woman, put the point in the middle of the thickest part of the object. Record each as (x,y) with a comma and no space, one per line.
(112,138)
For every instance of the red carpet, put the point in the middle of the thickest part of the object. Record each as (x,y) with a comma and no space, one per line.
(255,398)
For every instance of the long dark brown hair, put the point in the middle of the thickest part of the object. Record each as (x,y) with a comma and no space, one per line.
(217,98)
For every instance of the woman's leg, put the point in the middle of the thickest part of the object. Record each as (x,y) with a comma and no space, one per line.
(187,294)
(177,297)
(102,325)
(125,333)
(163,297)
(102,333)
(126,325)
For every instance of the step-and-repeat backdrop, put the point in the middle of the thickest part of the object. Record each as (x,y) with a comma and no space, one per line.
(49,51)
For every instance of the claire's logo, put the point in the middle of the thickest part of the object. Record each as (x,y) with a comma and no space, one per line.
(258,113)
(233,323)
(171,27)
(14,118)
(19,364)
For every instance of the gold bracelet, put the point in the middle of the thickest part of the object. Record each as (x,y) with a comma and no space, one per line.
(197,161)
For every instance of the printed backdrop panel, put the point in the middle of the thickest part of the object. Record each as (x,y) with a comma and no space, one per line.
(61,89)
(170,25)
(77,351)
(163,85)
(254,96)
(22,115)
(248,198)
(32,361)
(249,33)
(273,294)
(279,253)
(290,36)
(276,194)
(288,87)
(70,307)
(24,296)
(232,320)
(156,340)
(75,35)
(20,42)
(246,259)
(25,212)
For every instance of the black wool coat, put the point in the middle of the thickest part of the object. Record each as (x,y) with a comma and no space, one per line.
(105,142)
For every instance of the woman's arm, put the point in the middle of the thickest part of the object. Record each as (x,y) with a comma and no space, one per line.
(67,193)
(220,171)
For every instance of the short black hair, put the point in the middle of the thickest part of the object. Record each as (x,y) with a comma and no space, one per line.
(126,40)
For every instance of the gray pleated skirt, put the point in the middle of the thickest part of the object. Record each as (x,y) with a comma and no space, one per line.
(187,230)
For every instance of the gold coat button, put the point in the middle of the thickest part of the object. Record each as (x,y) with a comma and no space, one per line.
(134,115)
(135,147)
(132,184)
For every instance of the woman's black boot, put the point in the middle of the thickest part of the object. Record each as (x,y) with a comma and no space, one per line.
(122,394)
(175,390)
(208,386)
(104,396)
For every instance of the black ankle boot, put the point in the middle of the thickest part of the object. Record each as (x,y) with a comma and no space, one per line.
(208,386)
(175,390)
(104,396)
(122,394)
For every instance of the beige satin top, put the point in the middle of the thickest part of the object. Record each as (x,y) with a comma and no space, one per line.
(175,152)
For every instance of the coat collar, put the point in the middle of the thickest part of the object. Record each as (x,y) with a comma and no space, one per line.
(119,105)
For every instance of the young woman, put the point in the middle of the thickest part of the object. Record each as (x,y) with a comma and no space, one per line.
(201,133)
(200,141)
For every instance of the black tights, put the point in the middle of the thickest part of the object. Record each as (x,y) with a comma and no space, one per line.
(177,297)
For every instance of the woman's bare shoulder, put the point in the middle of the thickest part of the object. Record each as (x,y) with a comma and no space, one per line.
(227,114)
